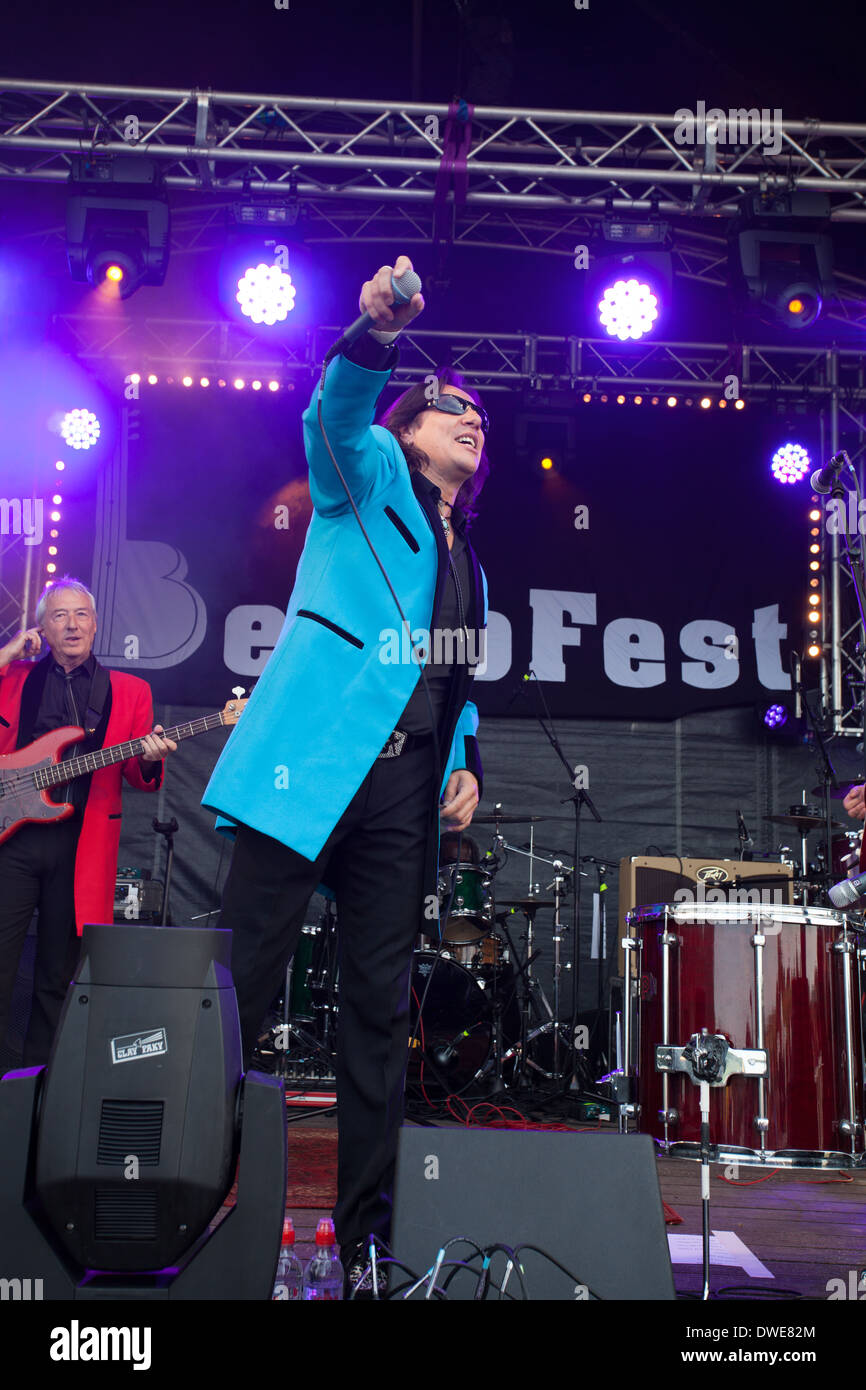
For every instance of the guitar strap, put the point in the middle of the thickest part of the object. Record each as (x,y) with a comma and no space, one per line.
(93,716)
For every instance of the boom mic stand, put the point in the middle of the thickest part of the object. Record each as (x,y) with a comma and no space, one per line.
(578,799)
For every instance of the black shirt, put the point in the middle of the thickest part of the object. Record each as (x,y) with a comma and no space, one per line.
(65,698)
(450,644)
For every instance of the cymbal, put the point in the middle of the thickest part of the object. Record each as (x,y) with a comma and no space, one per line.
(502,819)
(804,823)
(837,794)
(527,904)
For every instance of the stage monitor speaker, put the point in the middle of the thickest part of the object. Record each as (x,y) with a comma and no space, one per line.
(143,1078)
(590,1201)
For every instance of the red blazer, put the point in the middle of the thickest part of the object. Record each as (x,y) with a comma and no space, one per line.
(96,857)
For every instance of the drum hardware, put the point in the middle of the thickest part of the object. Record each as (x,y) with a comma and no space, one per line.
(533,999)
(308,1007)
(804,818)
(709,1060)
(627,1108)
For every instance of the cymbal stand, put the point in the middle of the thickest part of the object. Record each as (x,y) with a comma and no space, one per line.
(560,880)
(324,1046)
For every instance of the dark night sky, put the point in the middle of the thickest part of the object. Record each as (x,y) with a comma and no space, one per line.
(642,55)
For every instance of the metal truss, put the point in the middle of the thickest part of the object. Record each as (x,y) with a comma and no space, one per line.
(566,161)
(697,256)
(843,634)
(19,574)
(536,181)
(796,374)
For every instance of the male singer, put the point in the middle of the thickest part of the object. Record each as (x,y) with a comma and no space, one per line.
(344,755)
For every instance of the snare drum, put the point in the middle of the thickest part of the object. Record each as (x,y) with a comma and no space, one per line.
(785,979)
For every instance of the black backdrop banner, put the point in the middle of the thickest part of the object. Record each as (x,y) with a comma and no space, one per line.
(657,571)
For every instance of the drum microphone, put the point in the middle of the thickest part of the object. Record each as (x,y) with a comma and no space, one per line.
(404,287)
(848,892)
(442,1055)
(822,479)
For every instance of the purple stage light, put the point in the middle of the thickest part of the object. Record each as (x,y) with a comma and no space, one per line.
(790,463)
(775,716)
(80,429)
(628,310)
(266,294)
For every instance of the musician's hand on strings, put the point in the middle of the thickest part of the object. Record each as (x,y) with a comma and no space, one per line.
(855,802)
(154,749)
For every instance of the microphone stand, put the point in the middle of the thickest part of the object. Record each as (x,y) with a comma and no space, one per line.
(579,799)
(168,829)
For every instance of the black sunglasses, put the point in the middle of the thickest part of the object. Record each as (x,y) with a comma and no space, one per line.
(450,404)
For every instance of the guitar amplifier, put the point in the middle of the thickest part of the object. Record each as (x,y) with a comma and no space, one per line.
(644,879)
(137,899)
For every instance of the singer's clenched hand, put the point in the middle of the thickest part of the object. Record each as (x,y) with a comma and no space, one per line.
(855,803)
(377,298)
(459,800)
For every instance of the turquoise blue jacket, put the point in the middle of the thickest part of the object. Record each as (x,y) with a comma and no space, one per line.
(326,702)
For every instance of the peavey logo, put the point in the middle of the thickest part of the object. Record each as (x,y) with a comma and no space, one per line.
(134,1045)
(712,873)
(76,1343)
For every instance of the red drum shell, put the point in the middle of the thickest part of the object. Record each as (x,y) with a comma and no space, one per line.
(712,986)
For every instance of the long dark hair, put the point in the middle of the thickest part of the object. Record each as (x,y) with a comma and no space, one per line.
(402,414)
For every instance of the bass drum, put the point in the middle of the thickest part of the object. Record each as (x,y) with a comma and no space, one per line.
(450,1025)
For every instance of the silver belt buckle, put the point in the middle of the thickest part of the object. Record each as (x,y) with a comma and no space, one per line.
(394,747)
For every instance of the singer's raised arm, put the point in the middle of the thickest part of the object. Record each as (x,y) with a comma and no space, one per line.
(354,380)
(367,455)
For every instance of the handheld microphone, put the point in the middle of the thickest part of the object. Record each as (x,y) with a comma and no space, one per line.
(822,479)
(848,892)
(404,287)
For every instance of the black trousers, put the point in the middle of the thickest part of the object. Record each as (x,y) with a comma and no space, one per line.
(37,869)
(375,859)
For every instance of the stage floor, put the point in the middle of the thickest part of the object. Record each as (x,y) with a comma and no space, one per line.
(775,1234)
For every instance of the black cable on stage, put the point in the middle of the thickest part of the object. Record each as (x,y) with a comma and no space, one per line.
(547,1256)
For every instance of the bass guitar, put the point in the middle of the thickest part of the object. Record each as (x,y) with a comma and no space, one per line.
(27,775)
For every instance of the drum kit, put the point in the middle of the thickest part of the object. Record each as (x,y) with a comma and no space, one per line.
(761,1000)
(479,1016)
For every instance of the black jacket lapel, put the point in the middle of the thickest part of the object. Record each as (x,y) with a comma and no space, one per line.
(31,698)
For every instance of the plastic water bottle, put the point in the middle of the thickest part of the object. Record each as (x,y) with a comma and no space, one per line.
(289,1282)
(323,1277)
